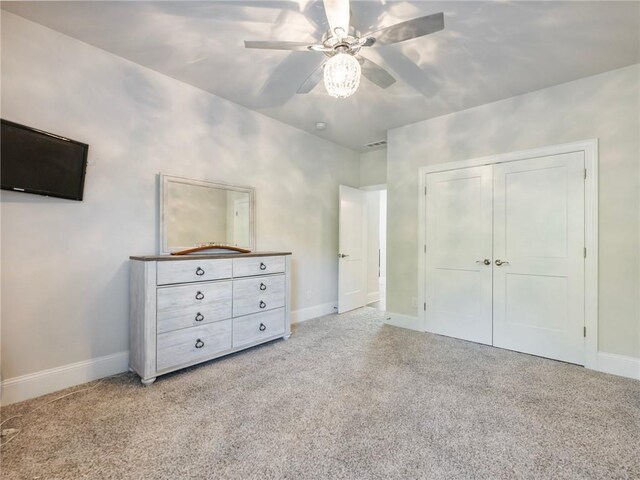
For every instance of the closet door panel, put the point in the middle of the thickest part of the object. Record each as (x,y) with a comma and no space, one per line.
(538,256)
(458,236)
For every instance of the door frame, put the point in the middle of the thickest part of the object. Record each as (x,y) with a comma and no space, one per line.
(590,150)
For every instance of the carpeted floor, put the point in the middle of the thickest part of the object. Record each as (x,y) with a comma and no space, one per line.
(345,397)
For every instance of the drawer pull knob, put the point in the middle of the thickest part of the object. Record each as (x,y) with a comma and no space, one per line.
(199,271)
(199,317)
(263,286)
(262,327)
(262,304)
(199,295)
(199,343)
(262,266)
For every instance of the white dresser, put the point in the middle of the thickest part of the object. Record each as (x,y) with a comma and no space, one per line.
(190,309)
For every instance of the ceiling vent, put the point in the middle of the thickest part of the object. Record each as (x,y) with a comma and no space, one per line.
(378,144)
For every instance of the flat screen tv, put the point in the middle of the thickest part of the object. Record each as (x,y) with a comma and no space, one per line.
(38,162)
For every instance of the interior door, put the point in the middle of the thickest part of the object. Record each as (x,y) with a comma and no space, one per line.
(459,247)
(352,266)
(241,223)
(538,273)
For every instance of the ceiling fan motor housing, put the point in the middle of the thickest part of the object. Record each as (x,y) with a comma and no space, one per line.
(351,43)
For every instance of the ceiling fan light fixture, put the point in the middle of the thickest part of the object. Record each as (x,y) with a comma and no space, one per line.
(342,75)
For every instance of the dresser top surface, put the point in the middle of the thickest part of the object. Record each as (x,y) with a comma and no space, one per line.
(203,256)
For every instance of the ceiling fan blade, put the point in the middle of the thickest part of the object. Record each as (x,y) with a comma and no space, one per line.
(280,85)
(376,73)
(275,45)
(338,16)
(415,28)
(416,77)
(312,80)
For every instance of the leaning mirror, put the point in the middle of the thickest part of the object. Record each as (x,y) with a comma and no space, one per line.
(194,213)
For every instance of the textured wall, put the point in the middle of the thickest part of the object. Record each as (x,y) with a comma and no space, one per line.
(65,265)
(373,168)
(606,107)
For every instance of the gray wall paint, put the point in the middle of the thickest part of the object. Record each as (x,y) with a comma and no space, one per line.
(373,168)
(605,106)
(65,265)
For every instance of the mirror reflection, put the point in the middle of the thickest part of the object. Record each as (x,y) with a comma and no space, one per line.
(198,212)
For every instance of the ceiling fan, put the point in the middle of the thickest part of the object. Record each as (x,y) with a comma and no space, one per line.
(342,44)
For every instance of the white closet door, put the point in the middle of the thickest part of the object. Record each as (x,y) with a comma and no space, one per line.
(458,282)
(538,256)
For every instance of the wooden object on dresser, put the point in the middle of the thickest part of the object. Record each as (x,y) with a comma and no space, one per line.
(189,309)
(212,246)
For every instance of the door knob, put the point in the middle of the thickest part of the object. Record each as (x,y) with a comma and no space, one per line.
(501,262)
(486,261)
(342,255)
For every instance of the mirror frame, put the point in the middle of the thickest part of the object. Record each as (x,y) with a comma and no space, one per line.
(164,191)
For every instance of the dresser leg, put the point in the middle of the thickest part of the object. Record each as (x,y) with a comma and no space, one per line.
(286,337)
(148,381)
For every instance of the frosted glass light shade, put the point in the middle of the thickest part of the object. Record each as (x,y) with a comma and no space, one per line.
(342,75)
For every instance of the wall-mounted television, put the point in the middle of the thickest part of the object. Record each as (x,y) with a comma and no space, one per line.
(34,161)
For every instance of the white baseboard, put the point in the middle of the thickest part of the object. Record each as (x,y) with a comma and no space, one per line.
(403,321)
(619,365)
(373,297)
(316,311)
(33,385)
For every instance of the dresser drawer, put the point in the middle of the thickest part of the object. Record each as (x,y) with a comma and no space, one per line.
(194,304)
(246,267)
(183,271)
(253,295)
(192,344)
(253,328)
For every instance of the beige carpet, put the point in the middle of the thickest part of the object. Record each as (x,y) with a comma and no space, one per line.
(345,397)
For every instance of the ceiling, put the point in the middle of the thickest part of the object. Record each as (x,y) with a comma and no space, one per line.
(487,52)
